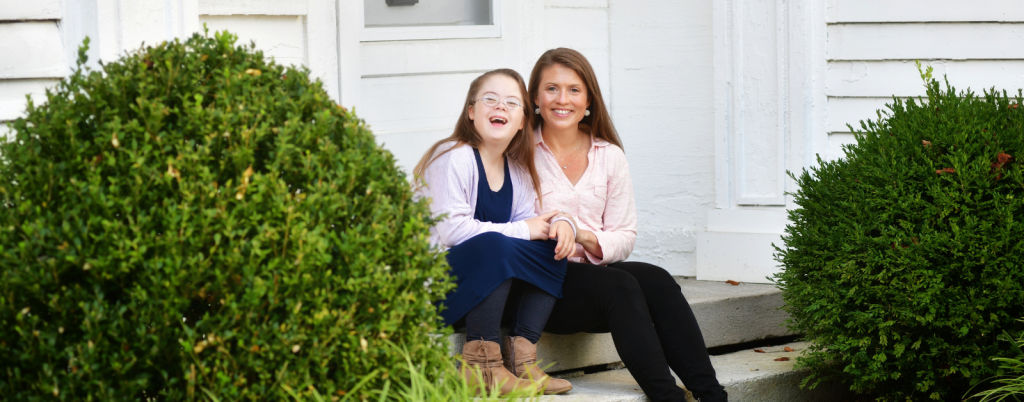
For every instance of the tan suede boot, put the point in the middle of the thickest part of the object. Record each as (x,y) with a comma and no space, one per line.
(482,360)
(520,356)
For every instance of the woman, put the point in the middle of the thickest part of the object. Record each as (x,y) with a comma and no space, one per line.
(583,172)
(482,179)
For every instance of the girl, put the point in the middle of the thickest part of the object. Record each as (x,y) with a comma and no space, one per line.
(584,172)
(483,178)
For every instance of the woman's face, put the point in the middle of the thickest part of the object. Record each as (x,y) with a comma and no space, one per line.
(499,123)
(562,97)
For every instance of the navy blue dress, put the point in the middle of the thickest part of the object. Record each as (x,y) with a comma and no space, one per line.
(486,260)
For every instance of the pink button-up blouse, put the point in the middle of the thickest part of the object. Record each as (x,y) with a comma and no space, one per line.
(601,201)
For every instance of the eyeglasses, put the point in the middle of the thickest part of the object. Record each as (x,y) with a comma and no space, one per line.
(512,103)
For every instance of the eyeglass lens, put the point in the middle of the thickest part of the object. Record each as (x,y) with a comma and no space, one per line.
(510,102)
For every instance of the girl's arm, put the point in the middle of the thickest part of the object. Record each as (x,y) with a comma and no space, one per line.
(614,242)
(450,182)
(525,206)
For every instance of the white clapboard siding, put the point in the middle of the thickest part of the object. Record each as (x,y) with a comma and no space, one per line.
(409,146)
(280,37)
(925,41)
(13,92)
(31,50)
(413,103)
(835,145)
(252,7)
(925,10)
(843,111)
(30,10)
(901,78)
(431,57)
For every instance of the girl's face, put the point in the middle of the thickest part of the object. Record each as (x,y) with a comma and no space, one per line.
(498,123)
(562,97)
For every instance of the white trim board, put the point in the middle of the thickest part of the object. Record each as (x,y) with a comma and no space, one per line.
(19,10)
(924,11)
(952,40)
(741,257)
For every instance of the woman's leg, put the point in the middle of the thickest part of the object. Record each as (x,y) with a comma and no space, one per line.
(483,322)
(597,299)
(677,329)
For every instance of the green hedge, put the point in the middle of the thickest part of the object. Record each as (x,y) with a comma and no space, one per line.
(197,221)
(904,261)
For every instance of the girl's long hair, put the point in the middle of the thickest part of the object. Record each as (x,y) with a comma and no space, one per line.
(519,151)
(599,123)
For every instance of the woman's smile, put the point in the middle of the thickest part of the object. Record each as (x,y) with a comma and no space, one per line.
(562,98)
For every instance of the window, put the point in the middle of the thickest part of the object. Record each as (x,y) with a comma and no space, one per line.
(430,19)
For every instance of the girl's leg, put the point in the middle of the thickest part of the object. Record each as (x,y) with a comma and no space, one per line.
(483,322)
(599,299)
(532,308)
(677,329)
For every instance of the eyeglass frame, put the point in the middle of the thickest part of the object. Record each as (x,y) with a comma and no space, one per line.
(505,102)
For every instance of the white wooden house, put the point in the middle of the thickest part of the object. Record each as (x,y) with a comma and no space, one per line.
(715,100)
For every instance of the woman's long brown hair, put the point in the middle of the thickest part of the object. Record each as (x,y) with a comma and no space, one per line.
(519,150)
(599,123)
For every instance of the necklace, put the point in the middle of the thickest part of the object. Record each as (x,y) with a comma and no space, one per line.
(577,152)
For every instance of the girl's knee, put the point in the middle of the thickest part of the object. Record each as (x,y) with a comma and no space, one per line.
(493,242)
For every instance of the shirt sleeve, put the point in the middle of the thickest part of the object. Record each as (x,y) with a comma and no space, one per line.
(449,184)
(618,235)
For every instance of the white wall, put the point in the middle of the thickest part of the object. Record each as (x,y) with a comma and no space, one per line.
(836,62)
(714,100)
(873,44)
(32,56)
(662,85)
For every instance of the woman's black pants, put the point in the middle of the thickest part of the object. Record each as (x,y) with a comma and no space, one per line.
(651,323)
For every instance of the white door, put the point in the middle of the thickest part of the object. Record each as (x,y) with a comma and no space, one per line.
(406,68)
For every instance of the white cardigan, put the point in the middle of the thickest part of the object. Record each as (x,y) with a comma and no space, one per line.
(451,185)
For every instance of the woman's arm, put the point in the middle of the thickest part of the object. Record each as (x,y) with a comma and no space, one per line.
(614,242)
(588,240)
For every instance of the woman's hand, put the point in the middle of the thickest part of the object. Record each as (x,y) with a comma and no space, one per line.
(562,231)
(539,225)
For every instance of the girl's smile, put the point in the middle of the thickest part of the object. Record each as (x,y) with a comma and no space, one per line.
(498,123)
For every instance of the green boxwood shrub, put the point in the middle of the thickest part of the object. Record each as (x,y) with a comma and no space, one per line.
(198,222)
(904,261)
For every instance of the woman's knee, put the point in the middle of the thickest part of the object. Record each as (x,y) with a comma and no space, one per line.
(651,278)
(620,284)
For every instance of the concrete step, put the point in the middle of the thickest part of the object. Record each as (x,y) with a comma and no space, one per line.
(748,376)
(727,315)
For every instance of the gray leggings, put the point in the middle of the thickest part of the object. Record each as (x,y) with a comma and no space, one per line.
(527,309)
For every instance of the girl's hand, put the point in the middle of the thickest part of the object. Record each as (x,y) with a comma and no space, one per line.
(539,225)
(562,231)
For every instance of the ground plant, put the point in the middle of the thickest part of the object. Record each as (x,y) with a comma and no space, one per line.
(1010,386)
(903,263)
(196,222)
